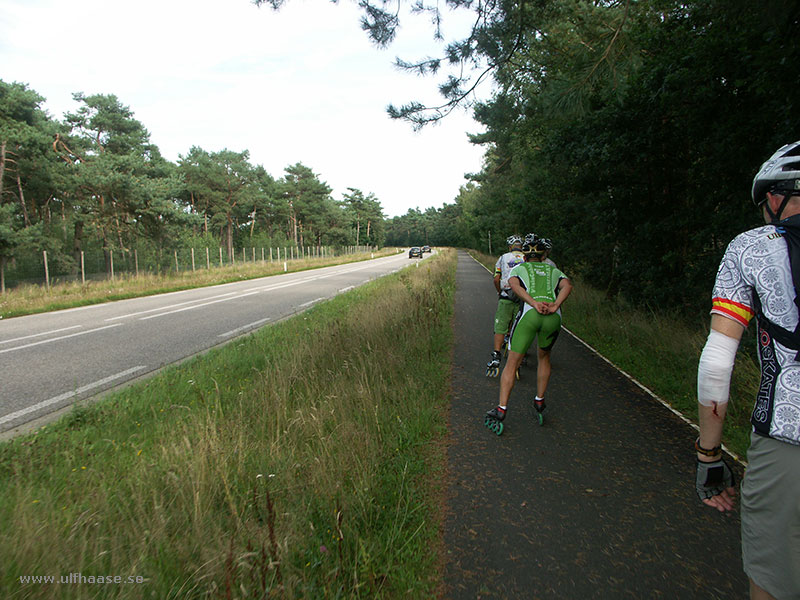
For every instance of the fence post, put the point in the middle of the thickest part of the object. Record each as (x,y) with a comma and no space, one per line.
(177,268)
(208,260)
(220,256)
(83,271)
(262,255)
(111,254)
(192,260)
(285,268)
(136,260)
(244,258)
(46,271)
(270,254)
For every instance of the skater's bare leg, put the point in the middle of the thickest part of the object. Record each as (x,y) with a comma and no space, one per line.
(542,372)
(498,341)
(509,376)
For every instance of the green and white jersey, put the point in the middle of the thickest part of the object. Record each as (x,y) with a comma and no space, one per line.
(539,279)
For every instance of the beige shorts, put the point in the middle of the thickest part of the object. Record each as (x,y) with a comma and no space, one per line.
(771,517)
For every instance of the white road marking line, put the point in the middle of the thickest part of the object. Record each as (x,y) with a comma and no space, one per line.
(347,289)
(277,286)
(55,339)
(196,306)
(60,398)
(310,303)
(243,328)
(40,334)
(144,312)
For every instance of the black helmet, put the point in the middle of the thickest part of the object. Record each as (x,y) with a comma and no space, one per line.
(547,243)
(780,174)
(533,244)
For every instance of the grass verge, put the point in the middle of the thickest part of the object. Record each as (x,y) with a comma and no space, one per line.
(32,299)
(660,352)
(297,462)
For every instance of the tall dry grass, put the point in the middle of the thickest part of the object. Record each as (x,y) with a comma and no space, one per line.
(294,463)
(30,299)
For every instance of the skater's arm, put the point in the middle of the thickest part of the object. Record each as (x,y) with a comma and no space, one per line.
(564,289)
(713,384)
(713,379)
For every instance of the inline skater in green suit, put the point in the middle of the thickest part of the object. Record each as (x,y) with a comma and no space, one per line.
(543,289)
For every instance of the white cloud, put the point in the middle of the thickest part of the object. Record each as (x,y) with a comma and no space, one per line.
(300,85)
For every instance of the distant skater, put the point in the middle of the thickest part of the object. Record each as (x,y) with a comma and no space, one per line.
(507,303)
(542,289)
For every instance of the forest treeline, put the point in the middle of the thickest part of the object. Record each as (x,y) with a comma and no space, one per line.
(628,131)
(95,181)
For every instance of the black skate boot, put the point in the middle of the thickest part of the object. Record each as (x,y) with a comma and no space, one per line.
(540,406)
(493,368)
(494,419)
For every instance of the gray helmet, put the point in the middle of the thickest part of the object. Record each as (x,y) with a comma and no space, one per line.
(780,174)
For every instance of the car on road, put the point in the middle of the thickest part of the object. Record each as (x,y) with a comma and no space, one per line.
(426,249)
(415,251)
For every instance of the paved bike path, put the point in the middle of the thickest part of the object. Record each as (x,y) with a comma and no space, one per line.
(597,503)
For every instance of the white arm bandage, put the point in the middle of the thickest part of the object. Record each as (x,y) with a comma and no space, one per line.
(715,368)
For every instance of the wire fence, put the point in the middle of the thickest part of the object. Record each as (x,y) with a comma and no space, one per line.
(37,268)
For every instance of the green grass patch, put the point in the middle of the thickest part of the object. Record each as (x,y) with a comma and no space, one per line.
(301,461)
(32,299)
(660,351)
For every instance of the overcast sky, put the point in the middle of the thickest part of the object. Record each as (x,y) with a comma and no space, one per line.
(300,85)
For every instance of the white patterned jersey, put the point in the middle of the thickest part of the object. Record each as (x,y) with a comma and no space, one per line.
(503,267)
(757,262)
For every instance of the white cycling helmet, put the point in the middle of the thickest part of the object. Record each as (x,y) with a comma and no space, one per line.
(514,240)
(780,174)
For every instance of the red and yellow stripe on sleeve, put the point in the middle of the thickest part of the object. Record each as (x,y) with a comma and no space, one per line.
(737,311)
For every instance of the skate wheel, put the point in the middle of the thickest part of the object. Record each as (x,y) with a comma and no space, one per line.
(493,425)
(517,374)
(540,417)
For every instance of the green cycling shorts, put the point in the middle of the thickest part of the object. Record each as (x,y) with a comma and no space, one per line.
(506,311)
(531,324)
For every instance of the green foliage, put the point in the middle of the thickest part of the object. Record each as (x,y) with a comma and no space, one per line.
(95,183)
(628,132)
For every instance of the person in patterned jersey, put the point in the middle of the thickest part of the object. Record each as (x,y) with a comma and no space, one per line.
(507,303)
(758,277)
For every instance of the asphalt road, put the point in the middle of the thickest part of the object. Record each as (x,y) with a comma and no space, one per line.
(50,361)
(597,503)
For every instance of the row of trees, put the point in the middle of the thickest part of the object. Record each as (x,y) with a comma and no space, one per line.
(94,180)
(628,131)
